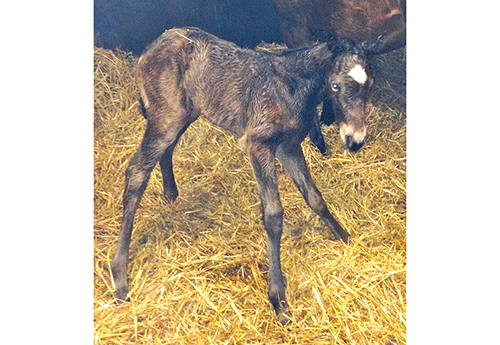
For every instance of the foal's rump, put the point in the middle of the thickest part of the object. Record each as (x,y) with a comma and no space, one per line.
(188,70)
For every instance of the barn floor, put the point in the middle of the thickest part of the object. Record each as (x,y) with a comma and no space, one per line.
(198,267)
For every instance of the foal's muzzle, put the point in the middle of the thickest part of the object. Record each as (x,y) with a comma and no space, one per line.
(352,138)
(351,145)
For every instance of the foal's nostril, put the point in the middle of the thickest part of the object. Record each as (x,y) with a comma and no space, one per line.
(351,145)
(348,141)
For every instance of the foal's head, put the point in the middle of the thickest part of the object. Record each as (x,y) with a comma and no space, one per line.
(349,83)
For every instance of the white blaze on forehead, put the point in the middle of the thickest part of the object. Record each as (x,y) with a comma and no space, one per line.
(358,73)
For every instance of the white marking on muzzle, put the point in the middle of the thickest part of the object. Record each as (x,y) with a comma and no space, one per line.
(358,73)
(345,130)
(348,129)
(359,136)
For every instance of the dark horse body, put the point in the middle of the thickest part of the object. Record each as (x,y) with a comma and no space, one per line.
(266,100)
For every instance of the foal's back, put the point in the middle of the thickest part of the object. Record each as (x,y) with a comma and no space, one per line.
(194,70)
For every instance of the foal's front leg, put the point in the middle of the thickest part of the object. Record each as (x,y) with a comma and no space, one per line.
(315,134)
(293,161)
(263,162)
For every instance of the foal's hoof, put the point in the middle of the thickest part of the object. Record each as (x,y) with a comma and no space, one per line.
(121,296)
(340,234)
(171,195)
(285,317)
(320,146)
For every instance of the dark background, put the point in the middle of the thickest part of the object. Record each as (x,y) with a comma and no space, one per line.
(132,24)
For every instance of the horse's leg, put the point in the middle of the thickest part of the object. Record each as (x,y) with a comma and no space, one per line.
(315,134)
(159,142)
(295,165)
(263,162)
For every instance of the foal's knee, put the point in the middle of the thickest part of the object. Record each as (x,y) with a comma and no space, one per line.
(273,219)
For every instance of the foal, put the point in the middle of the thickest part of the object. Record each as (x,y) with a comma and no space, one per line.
(266,100)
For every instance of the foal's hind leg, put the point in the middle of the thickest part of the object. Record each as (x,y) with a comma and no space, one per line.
(170,191)
(169,186)
(157,140)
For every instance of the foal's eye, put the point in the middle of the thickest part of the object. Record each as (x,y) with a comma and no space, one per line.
(335,87)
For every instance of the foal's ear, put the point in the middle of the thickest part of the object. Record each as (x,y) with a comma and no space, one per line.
(372,46)
(333,42)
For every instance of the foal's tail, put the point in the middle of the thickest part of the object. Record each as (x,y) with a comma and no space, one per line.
(143,97)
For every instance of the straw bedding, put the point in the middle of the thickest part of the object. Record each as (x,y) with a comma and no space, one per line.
(198,267)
